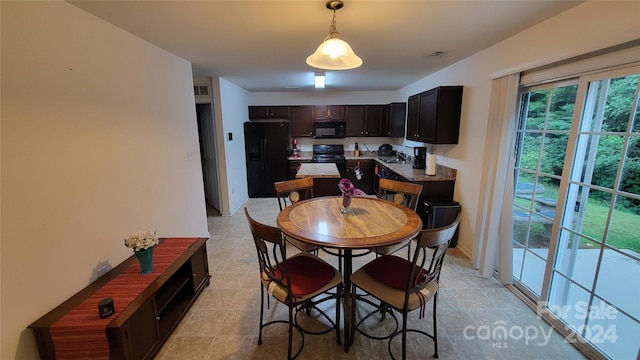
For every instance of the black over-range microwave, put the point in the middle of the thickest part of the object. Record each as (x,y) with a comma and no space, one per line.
(329,129)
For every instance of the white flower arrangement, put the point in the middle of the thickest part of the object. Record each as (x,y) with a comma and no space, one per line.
(142,240)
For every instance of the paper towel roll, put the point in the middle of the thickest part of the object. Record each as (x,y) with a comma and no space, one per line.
(430,169)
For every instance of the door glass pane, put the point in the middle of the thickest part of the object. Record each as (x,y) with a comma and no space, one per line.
(533,268)
(540,152)
(618,96)
(610,283)
(537,110)
(567,301)
(597,264)
(612,331)
(621,235)
(631,172)
(530,155)
(561,108)
(590,207)
(574,261)
(553,152)
(601,169)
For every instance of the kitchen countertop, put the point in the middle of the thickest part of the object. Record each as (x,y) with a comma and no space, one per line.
(443,173)
(318,170)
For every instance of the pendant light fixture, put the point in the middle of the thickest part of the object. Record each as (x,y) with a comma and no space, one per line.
(333,53)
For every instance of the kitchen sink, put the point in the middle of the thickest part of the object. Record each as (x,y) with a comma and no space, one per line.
(393,161)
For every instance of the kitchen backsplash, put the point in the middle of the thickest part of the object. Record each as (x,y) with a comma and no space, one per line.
(369,144)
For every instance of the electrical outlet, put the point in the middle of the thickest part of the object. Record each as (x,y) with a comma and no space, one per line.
(101,271)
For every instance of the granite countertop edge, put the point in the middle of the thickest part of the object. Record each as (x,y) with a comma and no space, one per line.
(443,173)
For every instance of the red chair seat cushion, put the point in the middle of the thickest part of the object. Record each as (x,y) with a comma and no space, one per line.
(308,275)
(392,271)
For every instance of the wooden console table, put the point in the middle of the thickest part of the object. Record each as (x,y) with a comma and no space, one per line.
(148,307)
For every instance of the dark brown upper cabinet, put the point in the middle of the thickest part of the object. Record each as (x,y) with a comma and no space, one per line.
(328,112)
(434,116)
(413,108)
(365,120)
(301,121)
(394,119)
(373,120)
(268,112)
(354,120)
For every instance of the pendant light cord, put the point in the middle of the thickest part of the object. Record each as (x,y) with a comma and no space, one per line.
(332,28)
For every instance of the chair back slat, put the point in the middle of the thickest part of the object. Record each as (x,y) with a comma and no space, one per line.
(400,192)
(431,247)
(271,250)
(292,191)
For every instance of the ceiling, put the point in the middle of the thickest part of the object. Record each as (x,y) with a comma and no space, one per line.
(262,45)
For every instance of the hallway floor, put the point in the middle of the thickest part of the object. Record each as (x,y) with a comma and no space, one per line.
(223,323)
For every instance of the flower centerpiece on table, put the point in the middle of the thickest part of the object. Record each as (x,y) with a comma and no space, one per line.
(142,240)
(348,191)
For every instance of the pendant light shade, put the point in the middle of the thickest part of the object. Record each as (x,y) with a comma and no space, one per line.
(333,53)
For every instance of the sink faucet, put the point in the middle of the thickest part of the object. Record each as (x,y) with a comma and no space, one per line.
(365,146)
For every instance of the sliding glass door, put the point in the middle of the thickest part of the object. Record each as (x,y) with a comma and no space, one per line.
(576,207)
(541,146)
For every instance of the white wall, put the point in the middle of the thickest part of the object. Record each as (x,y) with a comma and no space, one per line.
(564,36)
(99,139)
(323,97)
(234,113)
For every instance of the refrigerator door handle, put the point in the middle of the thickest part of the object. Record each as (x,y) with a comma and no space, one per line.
(264,153)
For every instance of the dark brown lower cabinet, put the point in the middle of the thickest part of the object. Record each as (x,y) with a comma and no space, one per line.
(141,328)
(366,181)
(137,337)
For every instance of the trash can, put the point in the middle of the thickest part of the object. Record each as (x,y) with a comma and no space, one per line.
(439,213)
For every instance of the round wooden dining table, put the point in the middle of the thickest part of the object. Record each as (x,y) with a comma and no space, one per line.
(368,223)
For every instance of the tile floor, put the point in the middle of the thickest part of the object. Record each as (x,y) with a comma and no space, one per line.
(223,323)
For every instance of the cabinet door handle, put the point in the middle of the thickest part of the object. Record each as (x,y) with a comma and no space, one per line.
(194,274)
(158,318)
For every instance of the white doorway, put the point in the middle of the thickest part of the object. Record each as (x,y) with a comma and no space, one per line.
(208,156)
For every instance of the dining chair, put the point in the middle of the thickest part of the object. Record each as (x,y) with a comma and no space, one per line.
(403,285)
(403,193)
(290,192)
(301,281)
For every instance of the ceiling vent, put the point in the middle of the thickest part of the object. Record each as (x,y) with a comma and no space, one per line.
(437,54)
(201,90)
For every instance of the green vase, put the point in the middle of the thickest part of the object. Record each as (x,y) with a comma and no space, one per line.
(145,258)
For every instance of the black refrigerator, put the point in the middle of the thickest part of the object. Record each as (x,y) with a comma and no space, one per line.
(267,152)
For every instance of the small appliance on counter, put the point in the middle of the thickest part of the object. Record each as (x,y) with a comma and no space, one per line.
(385,150)
(420,155)
(295,152)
